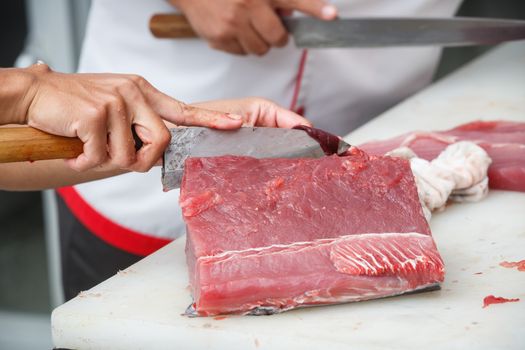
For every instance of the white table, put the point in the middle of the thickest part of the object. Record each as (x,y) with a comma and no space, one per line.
(140,308)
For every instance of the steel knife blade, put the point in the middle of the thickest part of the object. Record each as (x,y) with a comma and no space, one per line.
(389,31)
(258,142)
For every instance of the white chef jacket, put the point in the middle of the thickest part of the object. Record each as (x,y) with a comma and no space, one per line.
(337,89)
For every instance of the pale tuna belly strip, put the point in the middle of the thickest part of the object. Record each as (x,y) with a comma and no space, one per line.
(352,267)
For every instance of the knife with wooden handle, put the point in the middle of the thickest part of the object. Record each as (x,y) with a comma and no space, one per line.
(372,32)
(19,144)
(172,26)
(24,143)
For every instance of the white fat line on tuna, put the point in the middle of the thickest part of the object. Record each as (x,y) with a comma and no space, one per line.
(407,261)
(318,297)
(360,262)
(503,144)
(417,135)
(289,248)
(365,261)
(359,294)
(459,174)
(450,139)
(403,256)
(421,258)
(347,258)
(386,261)
(376,263)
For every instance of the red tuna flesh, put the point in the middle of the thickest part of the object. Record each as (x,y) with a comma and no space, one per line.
(283,233)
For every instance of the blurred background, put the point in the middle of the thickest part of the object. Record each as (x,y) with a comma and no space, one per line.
(52,31)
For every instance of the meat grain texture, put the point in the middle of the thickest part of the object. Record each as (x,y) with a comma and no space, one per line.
(269,235)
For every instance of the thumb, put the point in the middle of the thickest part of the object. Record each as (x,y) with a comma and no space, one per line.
(317,8)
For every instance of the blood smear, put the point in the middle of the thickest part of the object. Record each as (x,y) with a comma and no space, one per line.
(491,299)
(510,264)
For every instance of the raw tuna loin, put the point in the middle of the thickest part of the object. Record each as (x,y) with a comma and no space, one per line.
(504,142)
(268,235)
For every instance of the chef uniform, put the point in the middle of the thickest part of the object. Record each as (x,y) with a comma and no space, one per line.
(107,225)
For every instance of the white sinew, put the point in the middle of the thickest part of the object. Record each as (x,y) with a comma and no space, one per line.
(459,174)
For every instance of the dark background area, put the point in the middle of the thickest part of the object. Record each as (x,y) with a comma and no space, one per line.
(13,31)
(23,271)
(455,57)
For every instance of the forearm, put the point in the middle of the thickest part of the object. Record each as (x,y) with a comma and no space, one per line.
(46,174)
(15,95)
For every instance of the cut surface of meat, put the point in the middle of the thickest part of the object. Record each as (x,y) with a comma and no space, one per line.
(275,234)
(504,141)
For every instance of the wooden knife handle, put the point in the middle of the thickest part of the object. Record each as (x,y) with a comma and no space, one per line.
(19,144)
(173,26)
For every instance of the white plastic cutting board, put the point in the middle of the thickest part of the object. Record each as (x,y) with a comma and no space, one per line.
(140,308)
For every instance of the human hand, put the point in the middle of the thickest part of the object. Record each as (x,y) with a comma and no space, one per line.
(101,110)
(247,26)
(257,112)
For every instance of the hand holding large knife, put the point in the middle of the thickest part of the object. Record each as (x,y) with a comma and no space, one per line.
(23,144)
(247,26)
(373,32)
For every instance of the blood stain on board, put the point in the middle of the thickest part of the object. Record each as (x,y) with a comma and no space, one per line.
(257,343)
(511,264)
(218,318)
(491,299)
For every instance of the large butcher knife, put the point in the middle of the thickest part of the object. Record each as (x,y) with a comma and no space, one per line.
(18,144)
(248,141)
(373,31)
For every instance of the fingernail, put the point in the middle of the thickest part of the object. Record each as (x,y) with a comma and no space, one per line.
(329,11)
(234,116)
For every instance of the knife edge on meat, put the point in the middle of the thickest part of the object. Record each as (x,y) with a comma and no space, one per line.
(257,142)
